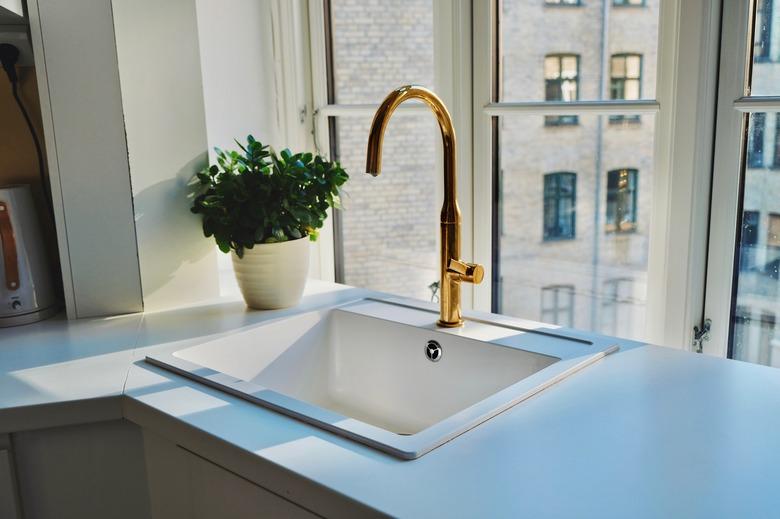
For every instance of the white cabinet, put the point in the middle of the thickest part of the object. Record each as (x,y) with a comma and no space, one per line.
(9,501)
(184,485)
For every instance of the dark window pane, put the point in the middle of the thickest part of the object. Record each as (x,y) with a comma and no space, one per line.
(757,289)
(756,140)
(748,240)
(559,205)
(763,37)
(621,200)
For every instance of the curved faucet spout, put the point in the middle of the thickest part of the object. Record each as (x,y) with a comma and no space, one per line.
(453,270)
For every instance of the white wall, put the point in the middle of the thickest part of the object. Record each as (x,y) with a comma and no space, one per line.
(162,96)
(76,65)
(236,58)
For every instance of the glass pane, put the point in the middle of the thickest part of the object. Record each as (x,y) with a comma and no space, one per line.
(388,229)
(532,30)
(390,223)
(633,66)
(379,46)
(766,49)
(605,266)
(757,297)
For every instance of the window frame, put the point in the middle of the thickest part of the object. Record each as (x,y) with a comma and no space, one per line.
(735,104)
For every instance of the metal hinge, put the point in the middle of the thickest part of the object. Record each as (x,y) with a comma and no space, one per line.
(700,335)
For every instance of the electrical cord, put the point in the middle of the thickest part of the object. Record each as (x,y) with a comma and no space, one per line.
(9,55)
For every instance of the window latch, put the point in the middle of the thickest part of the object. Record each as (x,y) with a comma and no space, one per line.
(700,335)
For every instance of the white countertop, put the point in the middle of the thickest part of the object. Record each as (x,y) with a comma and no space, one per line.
(645,432)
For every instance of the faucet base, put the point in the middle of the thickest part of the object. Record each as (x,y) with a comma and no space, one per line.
(448,324)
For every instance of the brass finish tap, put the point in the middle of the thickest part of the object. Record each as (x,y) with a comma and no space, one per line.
(453,270)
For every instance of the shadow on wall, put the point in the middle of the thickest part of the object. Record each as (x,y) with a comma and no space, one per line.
(168,233)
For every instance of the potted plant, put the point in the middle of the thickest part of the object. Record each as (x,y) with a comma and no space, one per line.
(264,208)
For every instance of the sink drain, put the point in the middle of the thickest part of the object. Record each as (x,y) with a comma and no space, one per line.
(433,351)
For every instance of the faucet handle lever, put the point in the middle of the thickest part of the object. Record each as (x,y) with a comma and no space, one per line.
(469,272)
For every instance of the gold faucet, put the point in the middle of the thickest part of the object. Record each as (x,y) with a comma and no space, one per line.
(452,269)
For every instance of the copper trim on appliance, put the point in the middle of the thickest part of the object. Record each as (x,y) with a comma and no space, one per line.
(10,258)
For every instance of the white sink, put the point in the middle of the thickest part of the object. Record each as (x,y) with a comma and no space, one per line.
(382,373)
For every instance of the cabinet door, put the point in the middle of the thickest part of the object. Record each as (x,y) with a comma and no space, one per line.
(8,502)
(184,485)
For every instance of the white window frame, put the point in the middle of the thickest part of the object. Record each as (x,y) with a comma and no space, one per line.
(684,110)
(734,105)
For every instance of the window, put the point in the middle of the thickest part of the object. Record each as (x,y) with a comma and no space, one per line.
(621,200)
(560,200)
(558,305)
(776,161)
(625,82)
(748,240)
(372,50)
(762,43)
(530,67)
(622,3)
(617,307)
(561,83)
(773,230)
(756,140)
(562,2)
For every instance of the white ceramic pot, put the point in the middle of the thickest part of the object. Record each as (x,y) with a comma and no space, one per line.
(273,275)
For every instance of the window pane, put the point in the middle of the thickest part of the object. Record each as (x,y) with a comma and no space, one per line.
(766,49)
(528,262)
(386,235)
(379,46)
(532,30)
(757,296)
(390,223)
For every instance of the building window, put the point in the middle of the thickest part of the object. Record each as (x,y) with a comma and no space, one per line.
(558,305)
(748,240)
(763,39)
(616,306)
(621,200)
(560,200)
(561,83)
(622,3)
(562,2)
(625,82)
(755,154)
(773,230)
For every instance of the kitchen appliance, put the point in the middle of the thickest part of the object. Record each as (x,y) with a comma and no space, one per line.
(26,290)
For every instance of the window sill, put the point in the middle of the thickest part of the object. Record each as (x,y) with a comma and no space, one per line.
(558,239)
(620,232)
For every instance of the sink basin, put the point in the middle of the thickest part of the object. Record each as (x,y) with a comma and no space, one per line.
(382,373)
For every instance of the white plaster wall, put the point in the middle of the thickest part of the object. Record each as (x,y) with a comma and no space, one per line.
(195,74)
(236,54)
(162,97)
